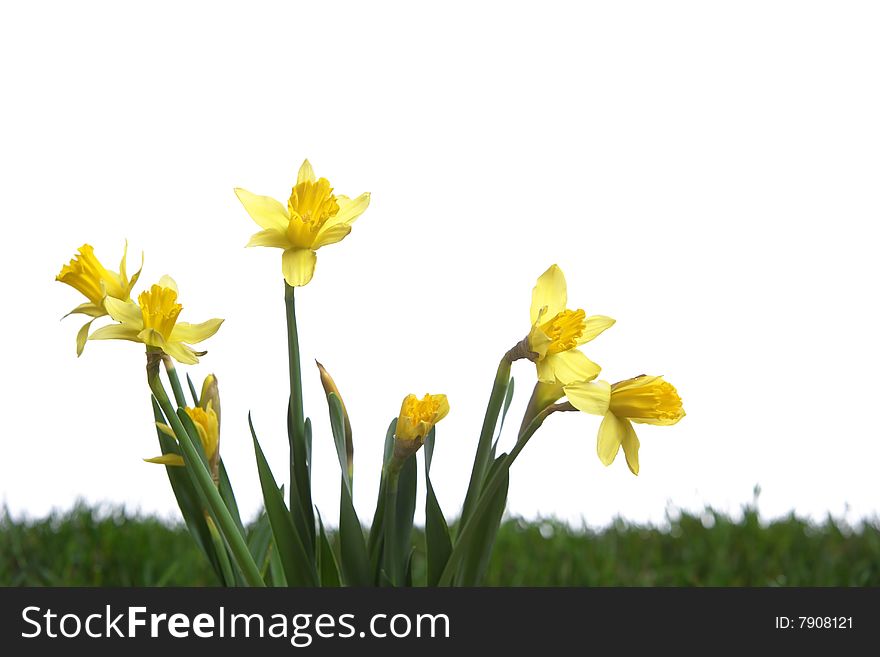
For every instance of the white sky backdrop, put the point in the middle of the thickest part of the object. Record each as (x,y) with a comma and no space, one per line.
(706,173)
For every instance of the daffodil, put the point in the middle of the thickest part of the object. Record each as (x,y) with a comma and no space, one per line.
(86,274)
(314,217)
(557,332)
(207,424)
(417,418)
(642,399)
(153,322)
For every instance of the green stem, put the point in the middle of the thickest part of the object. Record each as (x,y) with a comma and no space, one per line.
(300,486)
(484,447)
(470,525)
(203,478)
(175,381)
(392,560)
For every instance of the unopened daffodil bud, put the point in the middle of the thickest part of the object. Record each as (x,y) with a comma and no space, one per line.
(417,418)
(210,395)
(330,388)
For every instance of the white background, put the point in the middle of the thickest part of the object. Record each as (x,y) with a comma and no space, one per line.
(706,173)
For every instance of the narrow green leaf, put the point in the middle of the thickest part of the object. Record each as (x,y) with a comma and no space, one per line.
(326,559)
(377,528)
(403,521)
(299,569)
(482,458)
(337,425)
(192,390)
(228,495)
(354,558)
(438,543)
(507,399)
(478,548)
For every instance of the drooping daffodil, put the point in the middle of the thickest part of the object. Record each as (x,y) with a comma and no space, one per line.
(642,399)
(557,332)
(153,322)
(314,217)
(86,274)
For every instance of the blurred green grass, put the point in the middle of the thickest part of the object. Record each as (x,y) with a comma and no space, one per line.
(108,547)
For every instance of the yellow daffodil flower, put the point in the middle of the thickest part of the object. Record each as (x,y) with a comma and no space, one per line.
(642,399)
(314,217)
(417,418)
(557,332)
(86,274)
(207,424)
(153,322)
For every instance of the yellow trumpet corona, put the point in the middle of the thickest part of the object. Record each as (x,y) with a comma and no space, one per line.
(416,419)
(87,275)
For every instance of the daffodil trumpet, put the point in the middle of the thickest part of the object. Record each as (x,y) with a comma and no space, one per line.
(86,274)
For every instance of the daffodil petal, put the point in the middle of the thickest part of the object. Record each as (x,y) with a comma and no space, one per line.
(298,266)
(271,237)
(265,210)
(89,309)
(181,353)
(570,366)
(165,429)
(592,398)
(350,209)
(306,173)
(331,235)
(550,292)
(167,459)
(127,312)
(167,282)
(630,442)
(593,326)
(81,336)
(194,333)
(611,433)
(116,332)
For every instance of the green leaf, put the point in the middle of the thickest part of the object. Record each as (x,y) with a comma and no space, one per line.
(483,456)
(337,425)
(478,548)
(326,559)
(507,399)
(377,528)
(354,558)
(228,495)
(401,529)
(299,569)
(192,390)
(438,544)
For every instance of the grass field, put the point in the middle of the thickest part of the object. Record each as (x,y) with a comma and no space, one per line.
(86,547)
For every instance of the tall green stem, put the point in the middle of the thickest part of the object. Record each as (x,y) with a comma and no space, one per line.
(300,484)
(203,478)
